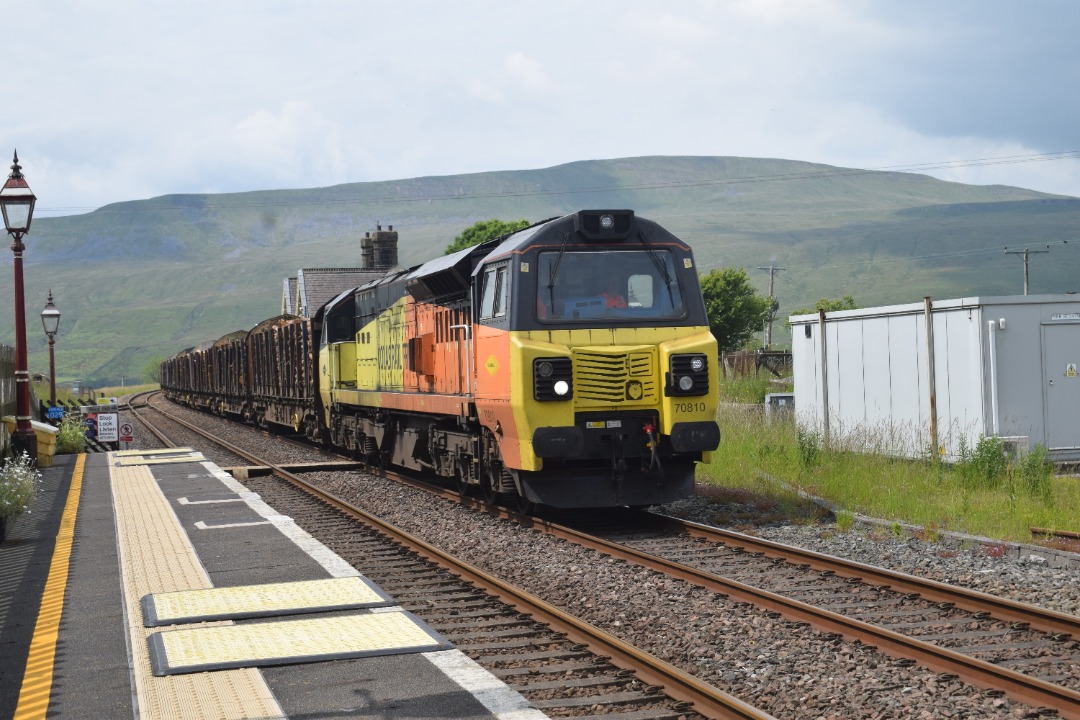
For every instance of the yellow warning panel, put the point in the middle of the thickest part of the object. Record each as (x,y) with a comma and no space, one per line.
(285,642)
(250,601)
(158,451)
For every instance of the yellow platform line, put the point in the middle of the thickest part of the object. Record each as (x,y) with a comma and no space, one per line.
(157,556)
(37,680)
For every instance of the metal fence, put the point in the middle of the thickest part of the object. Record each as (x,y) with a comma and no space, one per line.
(8,402)
(750,363)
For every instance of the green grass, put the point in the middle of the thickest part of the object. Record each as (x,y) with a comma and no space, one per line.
(751,389)
(64,394)
(119,392)
(775,460)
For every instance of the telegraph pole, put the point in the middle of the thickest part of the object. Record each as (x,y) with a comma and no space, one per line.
(768,328)
(1026,252)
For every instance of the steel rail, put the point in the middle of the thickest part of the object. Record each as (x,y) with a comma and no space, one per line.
(705,699)
(1020,687)
(146,423)
(1042,619)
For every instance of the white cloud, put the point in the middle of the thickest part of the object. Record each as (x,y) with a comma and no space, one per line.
(520,78)
(135,99)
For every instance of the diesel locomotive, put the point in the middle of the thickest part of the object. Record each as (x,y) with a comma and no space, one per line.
(569,364)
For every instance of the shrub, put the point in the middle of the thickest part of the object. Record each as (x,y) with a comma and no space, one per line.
(1035,472)
(984,466)
(809,448)
(18,483)
(72,437)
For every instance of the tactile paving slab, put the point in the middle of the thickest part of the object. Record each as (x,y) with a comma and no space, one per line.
(285,642)
(156,555)
(157,457)
(251,601)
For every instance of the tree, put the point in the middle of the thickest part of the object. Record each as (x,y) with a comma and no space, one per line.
(735,309)
(483,231)
(151,372)
(828,305)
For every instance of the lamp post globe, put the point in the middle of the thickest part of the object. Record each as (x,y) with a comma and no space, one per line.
(17,205)
(50,320)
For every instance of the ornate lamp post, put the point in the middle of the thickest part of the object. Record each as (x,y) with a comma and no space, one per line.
(50,320)
(17,204)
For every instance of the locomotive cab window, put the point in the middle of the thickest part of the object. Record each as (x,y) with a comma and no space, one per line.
(495,294)
(339,324)
(626,284)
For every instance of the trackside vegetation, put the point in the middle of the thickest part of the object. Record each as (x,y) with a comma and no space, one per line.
(984,493)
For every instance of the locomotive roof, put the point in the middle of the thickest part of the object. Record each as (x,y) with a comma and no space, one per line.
(520,239)
(585,228)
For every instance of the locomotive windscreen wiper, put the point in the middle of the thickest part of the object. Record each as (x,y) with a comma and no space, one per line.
(661,267)
(555,270)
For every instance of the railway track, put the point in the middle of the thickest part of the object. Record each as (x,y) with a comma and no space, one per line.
(1005,647)
(561,664)
(1026,652)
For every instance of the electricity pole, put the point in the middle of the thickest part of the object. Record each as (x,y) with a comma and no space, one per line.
(1026,252)
(768,328)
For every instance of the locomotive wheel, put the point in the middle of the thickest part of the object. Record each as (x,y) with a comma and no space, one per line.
(461,483)
(521,503)
(491,486)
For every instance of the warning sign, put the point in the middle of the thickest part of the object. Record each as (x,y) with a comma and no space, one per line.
(127,433)
(107,427)
(1070,370)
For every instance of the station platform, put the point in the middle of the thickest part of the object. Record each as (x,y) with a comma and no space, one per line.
(151,584)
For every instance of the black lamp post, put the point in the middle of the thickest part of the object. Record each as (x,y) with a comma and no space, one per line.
(50,320)
(17,204)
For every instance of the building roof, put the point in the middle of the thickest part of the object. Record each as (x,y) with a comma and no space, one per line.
(317,286)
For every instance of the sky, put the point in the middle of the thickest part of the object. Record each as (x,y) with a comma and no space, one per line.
(132,99)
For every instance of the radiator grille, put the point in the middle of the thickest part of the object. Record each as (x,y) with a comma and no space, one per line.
(605,378)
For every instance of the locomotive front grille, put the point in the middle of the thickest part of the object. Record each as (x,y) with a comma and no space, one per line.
(606,378)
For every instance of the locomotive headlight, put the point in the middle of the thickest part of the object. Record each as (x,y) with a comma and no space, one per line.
(607,222)
(553,378)
(689,375)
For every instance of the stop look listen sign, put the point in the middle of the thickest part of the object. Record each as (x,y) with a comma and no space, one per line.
(107,427)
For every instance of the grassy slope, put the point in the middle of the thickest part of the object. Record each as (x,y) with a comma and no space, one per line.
(146,278)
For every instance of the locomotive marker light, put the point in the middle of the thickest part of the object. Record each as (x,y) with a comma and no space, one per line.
(50,320)
(17,205)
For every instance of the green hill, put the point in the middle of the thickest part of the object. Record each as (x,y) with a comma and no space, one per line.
(145,278)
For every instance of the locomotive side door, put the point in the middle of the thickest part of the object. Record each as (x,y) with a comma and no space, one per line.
(492,362)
